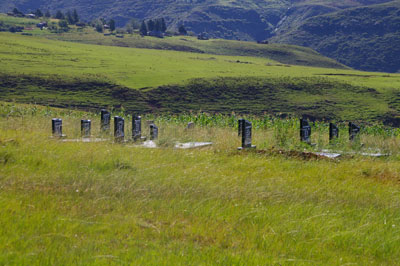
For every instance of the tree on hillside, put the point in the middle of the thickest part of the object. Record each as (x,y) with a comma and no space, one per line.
(63,24)
(157,25)
(75,16)
(47,14)
(38,13)
(69,18)
(150,25)
(129,29)
(143,28)
(18,13)
(182,30)
(135,24)
(163,25)
(99,26)
(59,15)
(111,23)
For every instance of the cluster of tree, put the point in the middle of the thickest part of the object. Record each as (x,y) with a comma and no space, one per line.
(182,30)
(153,25)
(17,13)
(38,13)
(71,17)
(134,24)
(63,24)
(101,24)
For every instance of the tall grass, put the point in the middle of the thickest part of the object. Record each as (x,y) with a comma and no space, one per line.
(269,132)
(66,203)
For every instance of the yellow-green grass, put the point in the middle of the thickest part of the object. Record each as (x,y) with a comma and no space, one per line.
(18,20)
(288,54)
(139,68)
(39,70)
(105,203)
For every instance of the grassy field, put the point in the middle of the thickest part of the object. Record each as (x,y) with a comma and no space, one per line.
(104,203)
(133,68)
(67,74)
(138,68)
(285,54)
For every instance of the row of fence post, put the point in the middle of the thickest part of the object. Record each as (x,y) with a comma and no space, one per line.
(105,127)
(245,128)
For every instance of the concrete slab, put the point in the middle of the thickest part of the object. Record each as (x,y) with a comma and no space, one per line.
(148,144)
(369,154)
(85,140)
(191,145)
(374,154)
(329,155)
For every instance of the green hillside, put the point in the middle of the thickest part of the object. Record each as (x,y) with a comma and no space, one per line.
(296,22)
(38,70)
(285,54)
(136,68)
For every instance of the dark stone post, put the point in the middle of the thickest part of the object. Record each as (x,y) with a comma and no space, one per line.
(240,126)
(246,128)
(105,121)
(56,127)
(119,129)
(153,132)
(86,126)
(354,130)
(136,127)
(333,132)
(305,131)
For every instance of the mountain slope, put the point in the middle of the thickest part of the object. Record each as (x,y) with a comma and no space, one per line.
(366,38)
(237,19)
